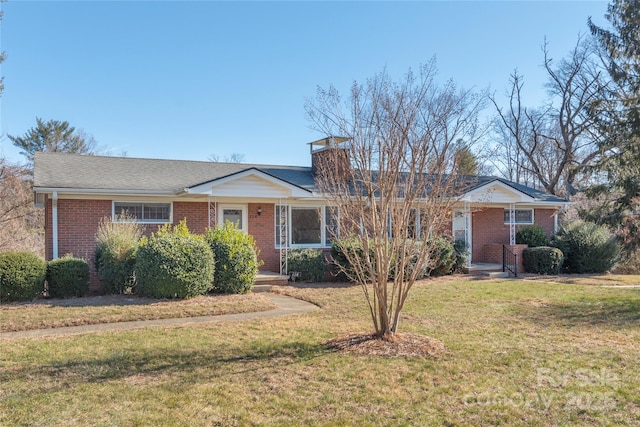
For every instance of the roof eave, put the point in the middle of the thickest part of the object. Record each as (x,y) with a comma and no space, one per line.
(66,190)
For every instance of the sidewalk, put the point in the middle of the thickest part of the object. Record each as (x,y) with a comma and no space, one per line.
(286,305)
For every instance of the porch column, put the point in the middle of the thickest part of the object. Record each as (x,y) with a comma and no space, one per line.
(512,224)
(54,224)
(468,225)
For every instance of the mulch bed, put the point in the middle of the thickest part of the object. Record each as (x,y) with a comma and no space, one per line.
(402,344)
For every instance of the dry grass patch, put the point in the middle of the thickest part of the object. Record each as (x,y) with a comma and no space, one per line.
(590,279)
(44,314)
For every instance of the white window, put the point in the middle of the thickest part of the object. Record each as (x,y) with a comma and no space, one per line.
(305,226)
(151,213)
(522,216)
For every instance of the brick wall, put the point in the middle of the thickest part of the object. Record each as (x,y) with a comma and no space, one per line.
(78,223)
(262,228)
(196,213)
(77,226)
(489,228)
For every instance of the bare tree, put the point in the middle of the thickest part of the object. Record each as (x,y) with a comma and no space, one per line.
(511,132)
(20,222)
(232,158)
(552,145)
(395,179)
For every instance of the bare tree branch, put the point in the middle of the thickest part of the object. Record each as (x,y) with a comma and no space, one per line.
(399,176)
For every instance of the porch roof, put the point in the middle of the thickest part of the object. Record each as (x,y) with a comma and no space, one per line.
(533,193)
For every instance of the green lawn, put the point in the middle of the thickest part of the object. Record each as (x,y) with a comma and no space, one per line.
(519,353)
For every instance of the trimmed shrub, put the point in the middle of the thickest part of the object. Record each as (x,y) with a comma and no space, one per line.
(443,256)
(532,235)
(68,277)
(587,247)
(341,250)
(462,255)
(442,261)
(542,260)
(174,263)
(236,259)
(22,276)
(310,263)
(115,255)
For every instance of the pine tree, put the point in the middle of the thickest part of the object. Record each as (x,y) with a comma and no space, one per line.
(53,136)
(619,114)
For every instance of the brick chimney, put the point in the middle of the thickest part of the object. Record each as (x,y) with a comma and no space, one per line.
(330,154)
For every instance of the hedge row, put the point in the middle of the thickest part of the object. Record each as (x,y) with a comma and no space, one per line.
(309,263)
(446,257)
(542,260)
(587,248)
(173,262)
(580,247)
(236,258)
(23,275)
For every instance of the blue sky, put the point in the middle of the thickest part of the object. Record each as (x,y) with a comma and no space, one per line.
(184,80)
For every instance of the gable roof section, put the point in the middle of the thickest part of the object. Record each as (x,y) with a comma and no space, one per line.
(251,182)
(485,184)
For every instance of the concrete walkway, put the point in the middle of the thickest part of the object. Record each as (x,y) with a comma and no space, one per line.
(286,305)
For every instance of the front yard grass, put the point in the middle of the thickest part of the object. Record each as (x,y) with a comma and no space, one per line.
(44,314)
(519,353)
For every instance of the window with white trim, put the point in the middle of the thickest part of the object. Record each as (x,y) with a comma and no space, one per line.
(305,226)
(151,213)
(522,216)
(332,229)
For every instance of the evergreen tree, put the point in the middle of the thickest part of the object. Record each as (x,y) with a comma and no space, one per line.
(465,160)
(53,136)
(619,114)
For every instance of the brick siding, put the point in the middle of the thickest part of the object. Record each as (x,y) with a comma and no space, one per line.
(262,228)
(77,226)
(78,223)
(489,228)
(196,213)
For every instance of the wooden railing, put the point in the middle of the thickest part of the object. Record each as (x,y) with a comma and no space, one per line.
(509,261)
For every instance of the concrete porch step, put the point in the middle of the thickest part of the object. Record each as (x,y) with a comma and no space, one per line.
(261,288)
(270,279)
(479,268)
(496,274)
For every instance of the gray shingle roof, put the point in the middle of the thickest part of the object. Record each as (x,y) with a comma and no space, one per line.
(70,171)
(56,170)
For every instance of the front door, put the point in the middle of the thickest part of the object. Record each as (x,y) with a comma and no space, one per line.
(236,214)
(462,228)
